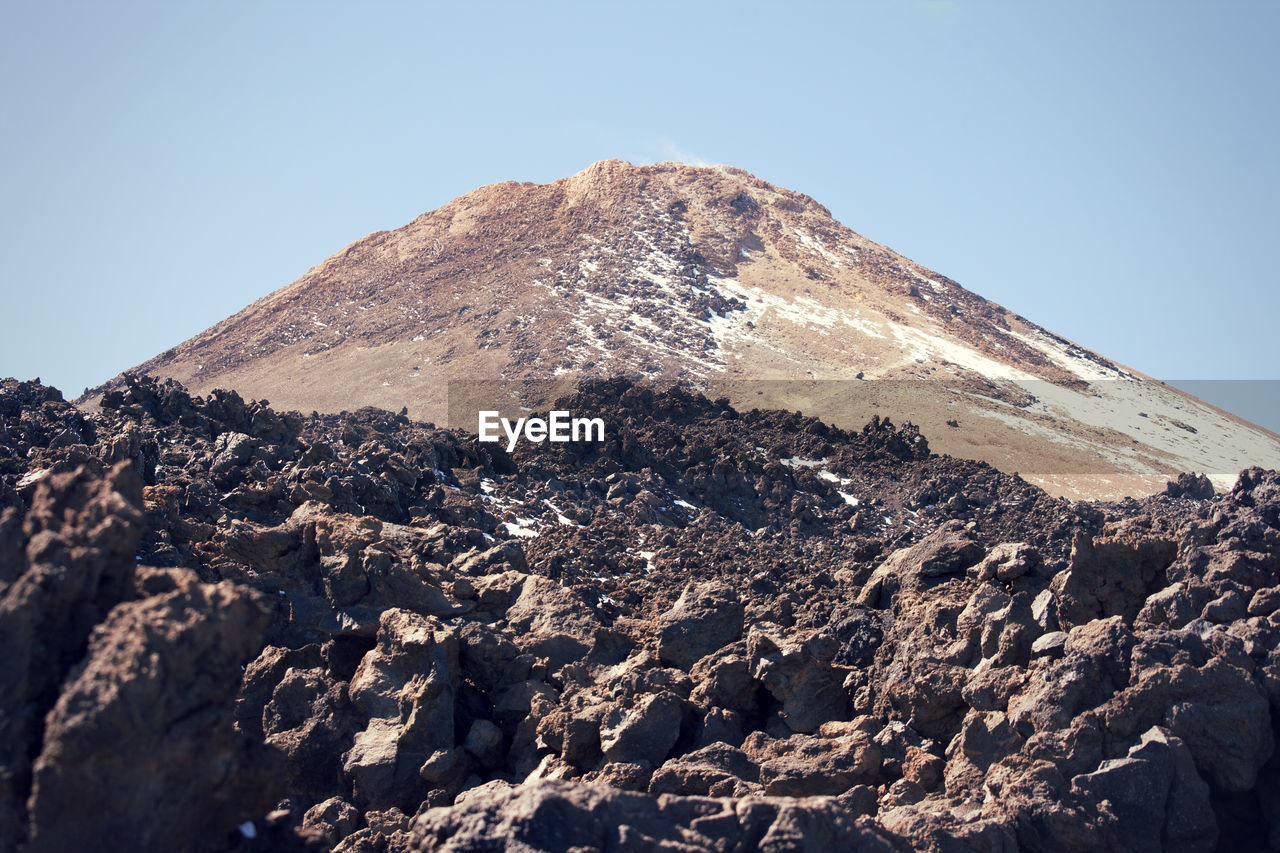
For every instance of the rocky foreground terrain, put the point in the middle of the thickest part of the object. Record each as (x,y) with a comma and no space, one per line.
(226,627)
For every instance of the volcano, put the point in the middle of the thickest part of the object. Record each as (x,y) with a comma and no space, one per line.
(713,277)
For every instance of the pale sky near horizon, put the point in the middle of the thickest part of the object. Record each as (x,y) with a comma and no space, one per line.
(1108,170)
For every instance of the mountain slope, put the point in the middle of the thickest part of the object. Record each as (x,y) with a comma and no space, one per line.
(713,276)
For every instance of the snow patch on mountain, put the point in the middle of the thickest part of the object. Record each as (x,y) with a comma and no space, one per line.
(931,347)
(1072,359)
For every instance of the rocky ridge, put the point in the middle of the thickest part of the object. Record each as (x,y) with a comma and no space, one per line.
(234,628)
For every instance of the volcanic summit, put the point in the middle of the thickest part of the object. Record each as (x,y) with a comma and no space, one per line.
(712,276)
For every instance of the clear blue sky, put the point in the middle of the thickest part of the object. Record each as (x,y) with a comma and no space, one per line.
(1107,169)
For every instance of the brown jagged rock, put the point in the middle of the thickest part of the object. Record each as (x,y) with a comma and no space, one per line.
(550,622)
(552,816)
(724,680)
(141,747)
(1112,574)
(403,691)
(309,720)
(448,625)
(261,677)
(706,617)
(715,770)
(1196,486)
(949,549)
(1218,710)
(72,564)
(1008,561)
(1158,801)
(805,766)
(332,820)
(644,733)
(799,673)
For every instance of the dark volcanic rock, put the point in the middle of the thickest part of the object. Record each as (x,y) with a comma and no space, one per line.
(404,690)
(80,537)
(1158,801)
(707,617)
(561,816)
(141,746)
(1190,486)
(644,733)
(673,639)
(1113,574)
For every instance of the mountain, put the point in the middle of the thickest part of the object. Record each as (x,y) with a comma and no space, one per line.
(715,277)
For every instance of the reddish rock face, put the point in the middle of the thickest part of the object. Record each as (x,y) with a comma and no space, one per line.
(227,627)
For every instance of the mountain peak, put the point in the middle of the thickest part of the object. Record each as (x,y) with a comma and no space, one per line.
(707,275)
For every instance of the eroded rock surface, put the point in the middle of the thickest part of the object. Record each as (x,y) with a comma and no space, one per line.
(678,639)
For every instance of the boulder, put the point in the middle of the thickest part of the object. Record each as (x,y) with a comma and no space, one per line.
(69,564)
(1008,561)
(723,680)
(550,621)
(263,674)
(1194,486)
(805,766)
(949,549)
(310,721)
(484,742)
(797,671)
(573,731)
(332,820)
(1158,801)
(142,746)
(644,733)
(403,692)
(706,617)
(1112,574)
(715,770)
